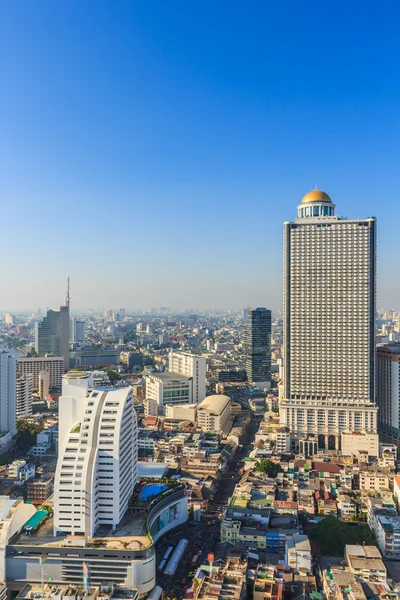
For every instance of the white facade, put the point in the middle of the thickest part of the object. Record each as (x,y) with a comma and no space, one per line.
(23,403)
(167,388)
(33,366)
(190,366)
(387,532)
(8,379)
(97,466)
(44,384)
(355,442)
(184,412)
(214,413)
(298,552)
(329,323)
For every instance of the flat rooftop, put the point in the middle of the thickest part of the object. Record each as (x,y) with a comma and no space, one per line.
(170,376)
(129,535)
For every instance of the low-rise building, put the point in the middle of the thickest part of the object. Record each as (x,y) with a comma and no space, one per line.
(39,490)
(298,552)
(373,480)
(366,563)
(387,532)
(360,441)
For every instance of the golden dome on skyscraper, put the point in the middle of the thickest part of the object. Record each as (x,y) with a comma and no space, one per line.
(316,196)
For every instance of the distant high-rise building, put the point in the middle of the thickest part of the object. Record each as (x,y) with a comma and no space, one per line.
(97,453)
(192,366)
(77,330)
(23,404)
(329,324)
(52,333)
(8,379)
(9,319)
(246,312)
(257,347)
(388,393)
(34,366)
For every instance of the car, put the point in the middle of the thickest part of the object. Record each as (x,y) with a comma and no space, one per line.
(200,551)
(209,523)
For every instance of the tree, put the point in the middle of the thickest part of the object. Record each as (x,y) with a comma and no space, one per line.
(270,468)
(113,376)
(332,535)
(32,354)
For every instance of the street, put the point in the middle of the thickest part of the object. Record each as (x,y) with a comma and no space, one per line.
(203,536)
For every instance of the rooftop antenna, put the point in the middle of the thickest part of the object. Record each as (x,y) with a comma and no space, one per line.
(67,298)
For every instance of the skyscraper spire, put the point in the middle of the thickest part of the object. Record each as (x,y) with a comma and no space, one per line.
(67,298)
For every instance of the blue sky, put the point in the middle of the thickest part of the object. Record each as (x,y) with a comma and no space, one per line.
(152,150)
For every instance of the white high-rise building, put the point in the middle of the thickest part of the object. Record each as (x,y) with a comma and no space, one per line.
(97,465)
(23,405)
(329,324)
(190,366)
(388,393)
(8,379)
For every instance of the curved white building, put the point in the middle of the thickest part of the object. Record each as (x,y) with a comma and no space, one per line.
(97,465)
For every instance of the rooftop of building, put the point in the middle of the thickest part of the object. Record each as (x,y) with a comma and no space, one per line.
(216,402)
(169,376)
(129,535)
(316,196)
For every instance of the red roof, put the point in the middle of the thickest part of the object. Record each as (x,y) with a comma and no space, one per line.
(324,467)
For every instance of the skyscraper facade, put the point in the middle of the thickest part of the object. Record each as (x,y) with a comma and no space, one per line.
(8,379)
(257,346)
(388,393)
(97,465)
(192,366)
(329,324)
(23,404)
(52,334)
(77,330)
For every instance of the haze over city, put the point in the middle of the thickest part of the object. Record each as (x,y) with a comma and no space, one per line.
(152,150)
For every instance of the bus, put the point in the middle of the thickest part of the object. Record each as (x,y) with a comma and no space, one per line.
(168,553)
(161,565)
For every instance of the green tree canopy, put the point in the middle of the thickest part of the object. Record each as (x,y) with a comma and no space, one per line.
(332,535)
(267,466)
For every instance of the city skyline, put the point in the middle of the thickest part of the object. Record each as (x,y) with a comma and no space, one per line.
(207,131)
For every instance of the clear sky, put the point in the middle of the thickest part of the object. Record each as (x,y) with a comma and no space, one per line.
(152,149)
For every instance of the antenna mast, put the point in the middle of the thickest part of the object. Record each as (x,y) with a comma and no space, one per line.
(67,298)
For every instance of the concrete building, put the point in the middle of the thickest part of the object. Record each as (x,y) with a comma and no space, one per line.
(97,466)
(77,330)
(329,324)
(184,412)
(214,413)
(8,381)
(366,563)
(44,384)
(39,490)
(191,366)
(359,441)
(387,532)
(34,366)
(373,481)
(257,347)
(388,392)
(14,513)
(23,400)
(168,388)
(298,553)
(52,333)
(93,357)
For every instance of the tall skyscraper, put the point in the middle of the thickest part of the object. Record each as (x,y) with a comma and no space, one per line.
(192,366)
(97,466)
(388,393)
(52,333)
(23,405)
(329,324)
(8,379)
(257,346)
